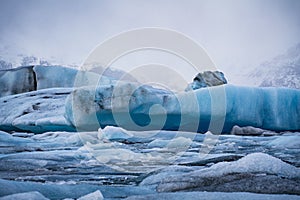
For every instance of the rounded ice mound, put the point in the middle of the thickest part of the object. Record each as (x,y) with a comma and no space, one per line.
(255,163)
(114,133)
(248,130)
(256,172)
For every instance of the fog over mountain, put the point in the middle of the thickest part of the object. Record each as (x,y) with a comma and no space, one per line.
(238,35)
(281,71)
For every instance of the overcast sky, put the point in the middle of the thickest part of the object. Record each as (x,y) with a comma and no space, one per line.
(237,34)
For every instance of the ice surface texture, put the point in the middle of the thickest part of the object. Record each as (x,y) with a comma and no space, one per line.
(147,108)
(217,109)
(58,165)
(15,81)
(254,170)
(63,77)
(31,78)
(36,111)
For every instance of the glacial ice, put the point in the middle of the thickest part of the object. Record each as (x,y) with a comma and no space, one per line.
(58,164)
(253,163)
(134,107)
(31,78)
(178,142)
(63,77)
(288,141)
(34,195)
(117,156)
(207,79)
(54,76)
(247,130)
(255,168)
(36,111)
(74,191)
(97,195)
(16,81)
(220,108)
(214,196)
(25,196)
(114,133)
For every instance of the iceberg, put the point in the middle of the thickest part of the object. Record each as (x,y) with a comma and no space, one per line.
(54,76)
(63,77)
(15,81)
(95,104)
(37,77)
(216,109)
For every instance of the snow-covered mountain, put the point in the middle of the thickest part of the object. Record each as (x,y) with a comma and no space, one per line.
(25,60)
(281,71)
(13,57)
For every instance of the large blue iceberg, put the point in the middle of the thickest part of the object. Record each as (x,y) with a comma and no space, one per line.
(216,109)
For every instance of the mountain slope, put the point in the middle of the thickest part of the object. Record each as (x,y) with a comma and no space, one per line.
(281,71)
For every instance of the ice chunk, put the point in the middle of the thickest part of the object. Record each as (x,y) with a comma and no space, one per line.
(114,133)
(25,196)
(36,111)
(207,79)
(54,76)
(146,108)
(178,142)
(254,163)
(59,76)
(286,141)
(97,195)
(248,130)
(74,191)
(15,81)
(122,157)
(256,172)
